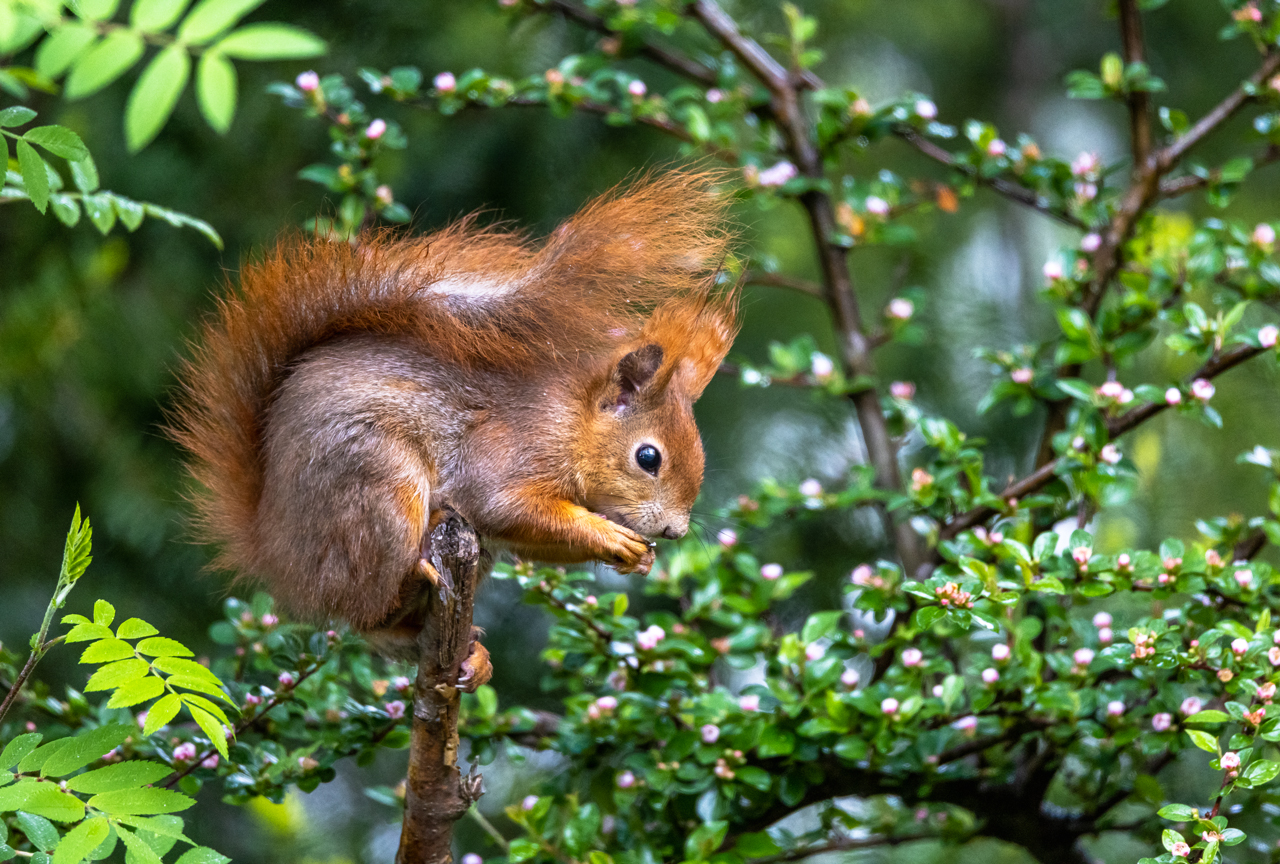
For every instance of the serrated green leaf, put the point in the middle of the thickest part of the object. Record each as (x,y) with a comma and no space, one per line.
(16,115)
(84,173)
(18,749)
(88,633)
(194,702)
(153,16)
(181,220)
(160,826)
(216,90)
(129,211)
(42,799)
(34,177)
(160,646)
(200,685)
(161,713)
(117,674)
(139,690)
(180,666)
(103,612)
(138,848)
(58,140)
(36,758)
(202,855)
(95,10)
(100,210)
(106,651)
(62,47)
(155,95)
(211,17)
(147,801)
(136,628)
(211,727)
(81,840)
(271,42)
(39,831)
(123,775)
(86,748)
(104,63)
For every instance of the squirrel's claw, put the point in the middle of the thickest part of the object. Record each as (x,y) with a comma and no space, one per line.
(477,669)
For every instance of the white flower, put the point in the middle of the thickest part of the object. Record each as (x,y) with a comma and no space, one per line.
(926,109)
(1000,652)
(1239,646)
(990,675)
(912,657)
(1090,242)
(877,206)
(445,82)
(813,651)
(1110,454)
(1202,389)
(900,309)
(1115,708)
(1052,271)
(889,705)
(648,639)
(967,725)
(849,678)
(771,571)
(1267,336)
(1083,656)
(811,488)
(637,89)
(1264,235)
(822,366)
(749,703)
(1172,396)
(778,175)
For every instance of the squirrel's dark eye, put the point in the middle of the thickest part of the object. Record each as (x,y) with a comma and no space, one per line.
(648,458)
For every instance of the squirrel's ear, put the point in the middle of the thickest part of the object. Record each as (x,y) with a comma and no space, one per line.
(701,360)
(633,373)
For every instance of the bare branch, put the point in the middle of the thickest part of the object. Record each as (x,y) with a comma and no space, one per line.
(761,63)
(660,54)
(1012,191)
(1138,101)
(1189,183)
(777,280)
(1169,157)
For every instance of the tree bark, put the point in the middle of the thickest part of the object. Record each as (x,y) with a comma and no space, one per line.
(437,794)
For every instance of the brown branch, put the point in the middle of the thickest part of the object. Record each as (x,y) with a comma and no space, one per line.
(437,795)
(1116,426)
(777,280)
(660,54)
(1012,191)
(23,675)
(1221,113)
(1249,547)
(837,281)
(1138,101)
(1189,183)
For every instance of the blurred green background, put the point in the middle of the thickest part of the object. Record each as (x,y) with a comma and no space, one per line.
(91,328)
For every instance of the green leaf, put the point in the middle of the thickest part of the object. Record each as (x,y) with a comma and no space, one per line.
(136,628)
(202,855)
(81,840)
(33,760)
(16,115)
(42,799)
(103,612)
(181,220)
(271,42)
(18,749)
(154,16)
(88,633)
(216,90)
(200,685)
(34,177)
(130,212)
(1203,740)
(159,646)
(161,713)
(139,690)
(147,801)
(820,624)
(117,674)
(107,650)
(85,174)
(179,666)
(123,775)
(100,211)
(139,851)
(86,748)
(95,10)
(39,831)
(211,727)
(211,17)
(522,849)
(1209,716)
(58,140)
(1261,771)
(63,47)
(158,826)
(155,95)
(104,63)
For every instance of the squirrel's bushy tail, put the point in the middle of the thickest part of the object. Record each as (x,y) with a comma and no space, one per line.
(477,297)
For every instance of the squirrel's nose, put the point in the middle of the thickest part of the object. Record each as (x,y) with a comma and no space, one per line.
(674,532)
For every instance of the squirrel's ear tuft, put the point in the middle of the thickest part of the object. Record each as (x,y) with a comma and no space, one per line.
(700,361)
(633,374)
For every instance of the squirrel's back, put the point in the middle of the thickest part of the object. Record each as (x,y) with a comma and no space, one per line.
(484,300)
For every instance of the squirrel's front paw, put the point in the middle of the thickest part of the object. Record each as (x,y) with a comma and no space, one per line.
(626,550)
(477,669)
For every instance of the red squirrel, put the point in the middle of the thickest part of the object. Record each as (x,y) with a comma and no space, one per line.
(542,390)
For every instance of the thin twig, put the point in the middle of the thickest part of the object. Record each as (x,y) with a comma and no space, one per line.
(660,54)
(1190,182)
(777,280)
(493,832)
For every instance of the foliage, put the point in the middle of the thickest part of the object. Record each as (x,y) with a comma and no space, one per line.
(998,670)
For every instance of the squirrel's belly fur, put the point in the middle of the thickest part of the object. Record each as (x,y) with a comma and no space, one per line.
(344,392)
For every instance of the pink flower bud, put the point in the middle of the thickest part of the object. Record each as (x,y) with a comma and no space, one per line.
(1104,635)
(529,802)
(1022,375)
(376,129)
(626,780)
(903,390)
(710,733)
(445,82)
(1239,646)
(1172,396)
(395,710)
(270,620)
(1273,655)
(990,675)
(889,706)
(1083,656)
(1052,271)
(813,651)
(771,572)
(862,575)
(912,657)
(967,725)
(822,366)
(1244,578)
(1124,562)
(900,309)
(1000,652)
(1110,454)
(727,538)
(400,683)
(1090,242)
(1264,235)
(749,703)
(811,488)
(286,679)
(253,699)
(1190,705)
(876,206)
(996,147)
(1212,558)
(472,858)
(926,109)
(307,763)
(1102,619)
(1162,721)
(1081,555)
(607,703)
(1084,164)
(637,89)
(184,752)
(1179,849)
(648,639)
(778,175)
(308,82)
(1202,389)
(1267,336)
(1115,708)
(849,678)
(1230,761)
(211,762)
